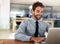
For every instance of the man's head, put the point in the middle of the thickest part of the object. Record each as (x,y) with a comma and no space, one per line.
(37,10)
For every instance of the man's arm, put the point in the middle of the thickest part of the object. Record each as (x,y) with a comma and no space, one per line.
(48,26)
(37,39)
(21,34)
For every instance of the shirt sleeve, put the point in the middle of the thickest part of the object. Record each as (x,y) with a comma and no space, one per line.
(21,34)
(48,26)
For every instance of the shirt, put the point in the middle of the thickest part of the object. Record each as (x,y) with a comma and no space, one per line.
(26,29)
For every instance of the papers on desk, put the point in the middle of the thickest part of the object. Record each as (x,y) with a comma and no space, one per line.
(43,43)
(40,43)
(12,36)
(46,34)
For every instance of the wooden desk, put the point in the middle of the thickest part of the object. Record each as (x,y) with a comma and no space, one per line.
(12,41)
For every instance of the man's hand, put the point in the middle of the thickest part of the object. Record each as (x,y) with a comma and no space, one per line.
(37,39)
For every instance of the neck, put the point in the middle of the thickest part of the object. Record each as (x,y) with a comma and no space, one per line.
(35,18)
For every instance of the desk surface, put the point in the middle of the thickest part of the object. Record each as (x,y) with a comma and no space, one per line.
(12,41)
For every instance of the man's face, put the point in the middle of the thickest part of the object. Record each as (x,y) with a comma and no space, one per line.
(37,13)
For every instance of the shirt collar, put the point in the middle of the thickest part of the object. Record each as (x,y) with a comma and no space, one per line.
(38,20)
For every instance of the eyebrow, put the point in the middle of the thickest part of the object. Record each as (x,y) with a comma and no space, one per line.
(39,11)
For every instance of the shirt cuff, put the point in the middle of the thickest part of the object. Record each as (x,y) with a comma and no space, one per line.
(28,38)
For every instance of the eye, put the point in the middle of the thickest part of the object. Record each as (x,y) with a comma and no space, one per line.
(37,11)
(41,11)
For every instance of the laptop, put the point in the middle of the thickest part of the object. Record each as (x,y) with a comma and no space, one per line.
(53,36)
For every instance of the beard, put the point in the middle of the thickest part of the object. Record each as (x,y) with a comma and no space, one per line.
(37,17)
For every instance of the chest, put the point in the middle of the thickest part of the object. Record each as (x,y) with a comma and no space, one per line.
(31,27)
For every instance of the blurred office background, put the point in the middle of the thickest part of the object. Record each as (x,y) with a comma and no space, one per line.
(13,12)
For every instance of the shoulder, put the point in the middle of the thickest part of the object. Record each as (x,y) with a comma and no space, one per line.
(27,20)
(46,23)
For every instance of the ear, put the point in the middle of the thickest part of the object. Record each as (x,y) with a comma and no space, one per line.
(32,12)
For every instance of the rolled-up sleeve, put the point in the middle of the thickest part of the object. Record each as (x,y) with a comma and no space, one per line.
(21,34)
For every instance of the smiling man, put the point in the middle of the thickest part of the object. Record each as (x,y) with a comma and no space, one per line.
(33,29)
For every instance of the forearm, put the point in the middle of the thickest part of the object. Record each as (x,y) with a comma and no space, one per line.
(22,37)
(37,39)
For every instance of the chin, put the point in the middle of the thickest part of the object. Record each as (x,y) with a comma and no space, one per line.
(38,18)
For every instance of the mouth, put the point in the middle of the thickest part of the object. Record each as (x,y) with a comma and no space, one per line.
(38,16)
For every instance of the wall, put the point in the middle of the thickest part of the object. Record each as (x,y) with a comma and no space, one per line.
(4,14)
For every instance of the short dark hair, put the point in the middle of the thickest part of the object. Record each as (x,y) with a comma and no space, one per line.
(36,4)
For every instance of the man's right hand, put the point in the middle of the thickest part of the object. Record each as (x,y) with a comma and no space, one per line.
(37,39)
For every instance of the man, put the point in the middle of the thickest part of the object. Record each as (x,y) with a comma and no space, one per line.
(33,29)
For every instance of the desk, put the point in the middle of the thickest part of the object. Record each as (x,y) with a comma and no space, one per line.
(12,41)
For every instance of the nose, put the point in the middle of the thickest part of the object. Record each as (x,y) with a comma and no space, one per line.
(40,13)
